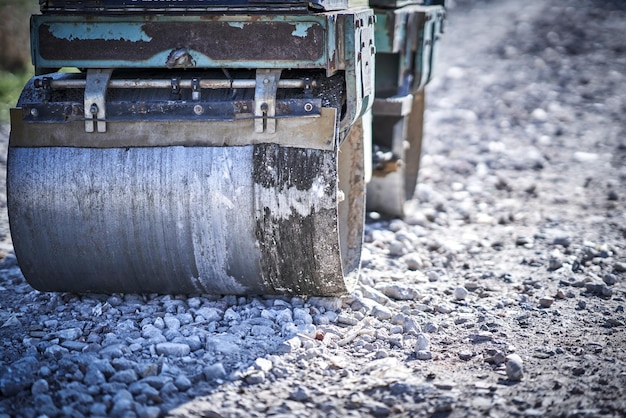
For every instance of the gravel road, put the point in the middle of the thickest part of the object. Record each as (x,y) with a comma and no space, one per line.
(502,292)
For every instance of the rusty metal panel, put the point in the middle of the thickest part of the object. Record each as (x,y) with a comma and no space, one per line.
(269,41)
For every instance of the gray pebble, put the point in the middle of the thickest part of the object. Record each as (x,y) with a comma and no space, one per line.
(169,389)
(563,240)
(300,394)
(346,320)
(381,313)
(171,322)
(208,314)
(609,279)
(94,377)
(214,372)
(115,350)
(182,383)
(443,308)
(98,409)
(396,248)
(255,377)
(173,349)
(69,334)
(555,263)
(18,376)
(460,293)
(619,267)
(55,351)
(431,328)
(124,376)
(289,345)
(39,387)
(423,342)
(546,301)
(599,288)
(399,292)
(74,345)
(148,412)
(413,261)
(102,365)
(329,304)
(150,332)
(423,355)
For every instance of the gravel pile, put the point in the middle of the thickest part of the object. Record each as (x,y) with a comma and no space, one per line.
(502,292)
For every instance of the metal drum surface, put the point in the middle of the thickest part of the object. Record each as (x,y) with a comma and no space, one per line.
(256,219)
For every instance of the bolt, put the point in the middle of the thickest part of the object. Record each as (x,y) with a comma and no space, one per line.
(264,107)
(34,112)
(308,107)
(266,80)
(93,109)
(198,110)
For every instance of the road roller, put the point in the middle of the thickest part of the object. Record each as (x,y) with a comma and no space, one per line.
(214,146)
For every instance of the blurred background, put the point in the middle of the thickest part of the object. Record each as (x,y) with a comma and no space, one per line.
(15,65)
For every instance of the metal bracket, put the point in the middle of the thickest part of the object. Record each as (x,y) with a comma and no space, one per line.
(47,89)
(265,100)
(96,85)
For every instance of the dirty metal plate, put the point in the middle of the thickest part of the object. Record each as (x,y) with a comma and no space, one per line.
(130,41)
(184,5)
(256,219)
(305,132)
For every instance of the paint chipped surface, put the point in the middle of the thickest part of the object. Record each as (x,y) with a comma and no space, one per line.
(107,32)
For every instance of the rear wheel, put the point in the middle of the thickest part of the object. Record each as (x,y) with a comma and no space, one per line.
(396,155)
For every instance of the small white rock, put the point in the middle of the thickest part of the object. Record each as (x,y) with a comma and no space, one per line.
(514,367)
(263,364)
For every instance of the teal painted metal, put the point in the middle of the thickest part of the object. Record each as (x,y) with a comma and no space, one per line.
(341,41)
(145,41)
(405,42)
(359,64)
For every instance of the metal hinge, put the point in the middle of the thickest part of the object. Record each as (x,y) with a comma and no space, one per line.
(265,100)
(96,85)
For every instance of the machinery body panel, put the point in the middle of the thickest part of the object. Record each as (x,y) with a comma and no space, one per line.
(128,41)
